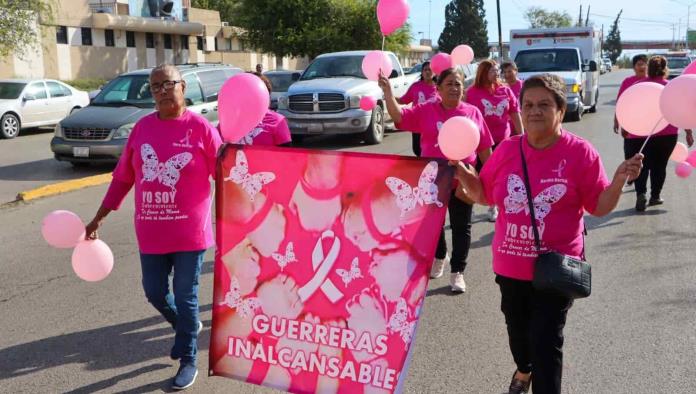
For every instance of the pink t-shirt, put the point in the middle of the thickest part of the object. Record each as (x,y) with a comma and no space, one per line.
(419,93)
(170,162)
(272,131)
(496,108)
(566,180)
(517,88)
(427,119)
(670,129)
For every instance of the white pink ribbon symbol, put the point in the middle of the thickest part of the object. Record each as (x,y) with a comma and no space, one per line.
(322,264)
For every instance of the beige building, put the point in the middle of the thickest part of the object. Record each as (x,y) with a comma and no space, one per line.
(100,39)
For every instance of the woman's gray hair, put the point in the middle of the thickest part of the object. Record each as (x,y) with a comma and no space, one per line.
(166,68)
(553,83)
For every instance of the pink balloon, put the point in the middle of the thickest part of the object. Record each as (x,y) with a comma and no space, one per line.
(62,229)
(680,153)
(638,109)
(691,159)
(391,14)
(690,69)
(678,101)
(374,63)
(683,170)
(92,260)
(458,138)
(440,62)
(462,54)
(367,103)
(242,102)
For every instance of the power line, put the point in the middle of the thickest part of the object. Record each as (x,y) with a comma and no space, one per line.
(635,19)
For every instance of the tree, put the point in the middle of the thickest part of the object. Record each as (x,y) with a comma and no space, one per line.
(613,42)
(19,25)
(465,23)
(312,27)
(541,18)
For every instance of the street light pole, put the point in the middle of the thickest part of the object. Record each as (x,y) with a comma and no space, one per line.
(430,3)
(500,33)
(688,12)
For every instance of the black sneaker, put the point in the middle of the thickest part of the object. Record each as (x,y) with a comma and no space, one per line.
(641,203)
(519,386)
(185,377)
(656,201)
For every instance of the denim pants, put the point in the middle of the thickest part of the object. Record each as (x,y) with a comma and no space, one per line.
(180,309)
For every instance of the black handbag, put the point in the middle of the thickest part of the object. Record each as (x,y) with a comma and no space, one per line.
(555,272)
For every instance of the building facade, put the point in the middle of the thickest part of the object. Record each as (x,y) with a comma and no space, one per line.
(104,38)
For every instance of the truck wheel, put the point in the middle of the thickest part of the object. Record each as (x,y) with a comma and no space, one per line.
(375,131)
(9,126)
(577,115)
(593,108)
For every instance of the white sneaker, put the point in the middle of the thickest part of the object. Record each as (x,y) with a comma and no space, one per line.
(492,214)
(457,282)
(439,267)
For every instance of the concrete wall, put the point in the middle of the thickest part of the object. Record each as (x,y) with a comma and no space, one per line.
(95,62)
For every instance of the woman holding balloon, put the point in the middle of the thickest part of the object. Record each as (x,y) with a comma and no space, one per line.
(499,106)
(421,91)
(170,157)
(658,148)
(565,178)
(426,120)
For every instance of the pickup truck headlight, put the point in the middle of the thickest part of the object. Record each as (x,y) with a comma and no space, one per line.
(58,131)
(283,102)
(355,101)
(574,88)
(123,131)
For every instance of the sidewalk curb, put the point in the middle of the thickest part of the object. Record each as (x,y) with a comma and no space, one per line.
(63,187)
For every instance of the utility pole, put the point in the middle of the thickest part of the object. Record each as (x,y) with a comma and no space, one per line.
(580,17)
(500,33)
(430,3)
(587,20)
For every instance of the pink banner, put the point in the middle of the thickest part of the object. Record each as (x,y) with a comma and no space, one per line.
(322,266)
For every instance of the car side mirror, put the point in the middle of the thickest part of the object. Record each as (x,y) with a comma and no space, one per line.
(393,74)
(592,67)
(188,102)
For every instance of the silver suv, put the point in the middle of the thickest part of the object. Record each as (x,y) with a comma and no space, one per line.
(98,132)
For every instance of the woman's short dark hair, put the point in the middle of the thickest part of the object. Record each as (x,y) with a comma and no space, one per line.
(553,83)
(425,64)
(640,57)
(657,67)
(509,64)
(446,73)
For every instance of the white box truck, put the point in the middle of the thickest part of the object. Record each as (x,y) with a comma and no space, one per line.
(573,53)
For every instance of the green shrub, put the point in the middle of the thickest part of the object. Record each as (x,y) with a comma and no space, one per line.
(86,84)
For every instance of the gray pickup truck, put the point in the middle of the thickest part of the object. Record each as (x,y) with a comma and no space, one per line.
(326,98)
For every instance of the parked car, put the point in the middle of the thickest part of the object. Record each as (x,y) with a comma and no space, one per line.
(281,81)
(607,64)
(28,103)
(676,64)
(98,132)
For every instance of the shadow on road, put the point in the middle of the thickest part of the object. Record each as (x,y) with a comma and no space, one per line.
(49,170)
(593,222)
(444,290)
(164,385)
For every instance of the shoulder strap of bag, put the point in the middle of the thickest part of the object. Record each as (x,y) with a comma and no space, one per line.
(529,197)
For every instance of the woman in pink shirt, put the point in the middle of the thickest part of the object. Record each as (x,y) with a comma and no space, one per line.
(273,129)
(170,157)
(499,106)
(421,91)
(427,119)
(510,74)
(567,178)
(658,148)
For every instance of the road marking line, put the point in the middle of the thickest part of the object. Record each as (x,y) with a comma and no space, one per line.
(64,187)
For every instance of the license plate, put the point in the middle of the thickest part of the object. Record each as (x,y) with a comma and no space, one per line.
(80,151)
(315,128)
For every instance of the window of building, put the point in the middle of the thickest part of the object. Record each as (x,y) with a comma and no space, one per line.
(199,43)
(130,39)
(109,38)
(167,41)
(184,42)
(86,36)
(216,45)
(61,34)
(149,40)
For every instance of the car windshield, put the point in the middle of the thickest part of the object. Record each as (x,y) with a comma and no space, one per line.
(416,69)
(126,90)
(677,62)
(542,60)
(280,81)
(11,90)
(339,66)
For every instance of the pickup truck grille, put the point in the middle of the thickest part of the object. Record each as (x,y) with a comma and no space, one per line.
(86,134)
(317,102)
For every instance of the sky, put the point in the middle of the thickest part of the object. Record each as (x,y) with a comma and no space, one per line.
(641,19)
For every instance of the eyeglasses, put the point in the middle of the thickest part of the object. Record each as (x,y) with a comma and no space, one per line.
(166,85)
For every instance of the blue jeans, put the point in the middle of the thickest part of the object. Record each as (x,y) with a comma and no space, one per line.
(181,308)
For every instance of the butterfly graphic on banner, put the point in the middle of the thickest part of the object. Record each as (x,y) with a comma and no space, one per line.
(233,299)
(516,200)
(497,110)
(167,173)
(353,273)
(250,183)
(399,323)
(249,138)
(284,260)
(425,193)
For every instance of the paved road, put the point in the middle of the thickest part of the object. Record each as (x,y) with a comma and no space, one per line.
(636,333)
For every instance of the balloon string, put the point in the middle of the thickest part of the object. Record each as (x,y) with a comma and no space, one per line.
(647,139)
(383,38)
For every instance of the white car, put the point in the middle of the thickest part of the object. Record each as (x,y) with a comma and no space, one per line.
(33,103)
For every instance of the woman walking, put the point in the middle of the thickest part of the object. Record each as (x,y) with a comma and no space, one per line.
(418,93)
